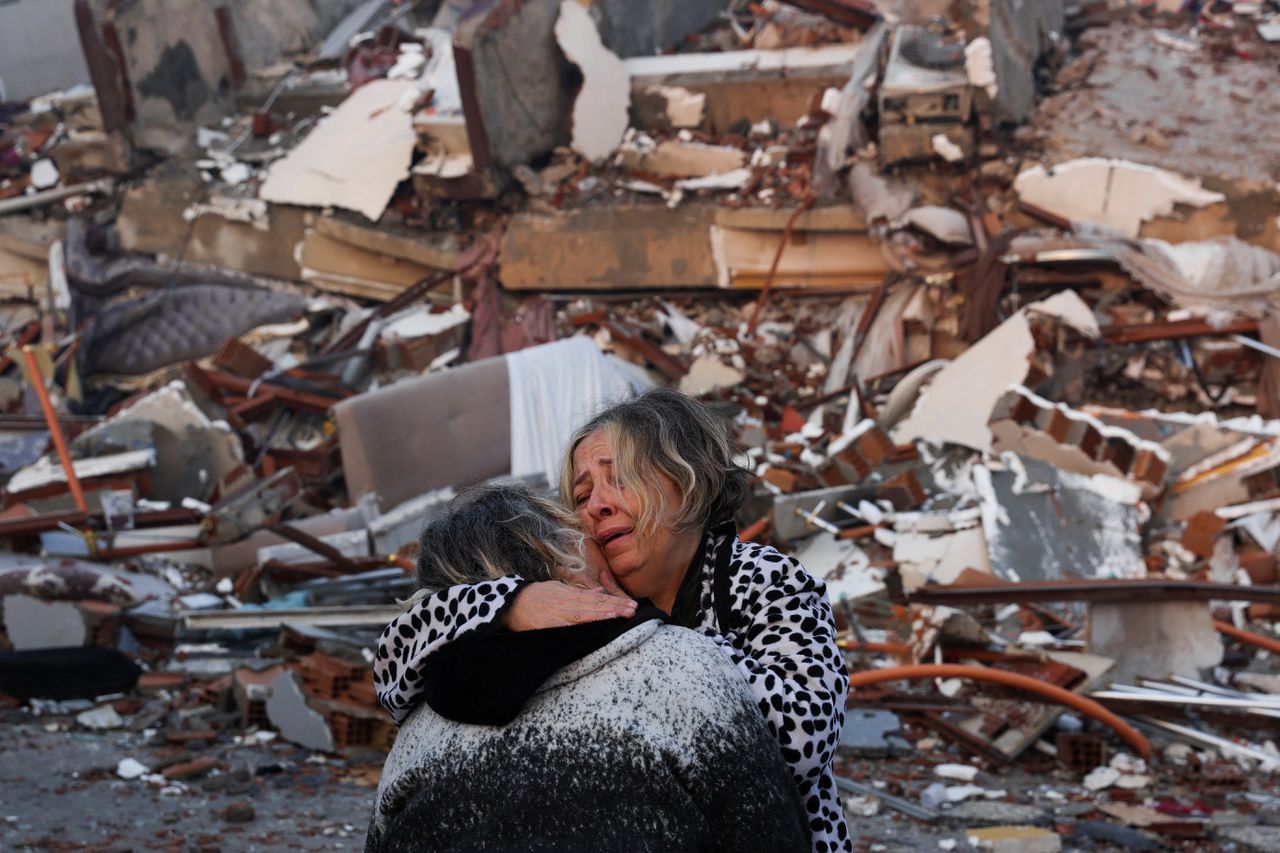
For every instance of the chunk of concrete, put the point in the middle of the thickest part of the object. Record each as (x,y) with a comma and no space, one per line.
(35,624)
(1115,193)
(709,374)
(957,405)
(298,722)
(1259,838)
(1155,639)
(987,812)
(669,107)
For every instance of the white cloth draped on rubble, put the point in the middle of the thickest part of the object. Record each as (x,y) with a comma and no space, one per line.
(556,387)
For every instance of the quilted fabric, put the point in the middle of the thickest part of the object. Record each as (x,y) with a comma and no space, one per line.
(144,333)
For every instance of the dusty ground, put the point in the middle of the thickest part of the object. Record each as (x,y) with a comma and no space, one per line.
(59,791)
(1200,111)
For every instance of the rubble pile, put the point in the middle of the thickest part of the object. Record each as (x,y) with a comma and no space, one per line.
(988,292)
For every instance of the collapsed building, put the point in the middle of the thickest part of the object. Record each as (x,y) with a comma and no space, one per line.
(985,288)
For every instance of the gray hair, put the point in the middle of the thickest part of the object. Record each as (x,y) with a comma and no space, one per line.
(494,531)
(664,432)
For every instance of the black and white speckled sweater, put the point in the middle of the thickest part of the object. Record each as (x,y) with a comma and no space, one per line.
(765,612)
(646,741)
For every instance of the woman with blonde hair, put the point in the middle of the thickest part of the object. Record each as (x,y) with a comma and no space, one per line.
(654,487)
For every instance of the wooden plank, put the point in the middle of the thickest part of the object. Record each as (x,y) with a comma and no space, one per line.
(439,251)
(615,248)
(810,260)
(336,266)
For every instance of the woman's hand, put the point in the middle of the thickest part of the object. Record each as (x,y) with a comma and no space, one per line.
(552,604)
(598,568)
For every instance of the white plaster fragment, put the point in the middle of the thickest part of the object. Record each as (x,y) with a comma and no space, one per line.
(601,110)
(130,768)
(1118,194)
(979,66)
(44,174)
(354,158)
(708,374)
(944,223)
(684,108)
(957,404)
(946,149)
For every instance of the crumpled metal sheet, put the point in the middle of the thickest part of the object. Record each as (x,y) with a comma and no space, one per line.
(1020,34)
(144,333)
(65,580)
(1223,279)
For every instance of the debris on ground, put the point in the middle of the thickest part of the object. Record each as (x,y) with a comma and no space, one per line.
(988,294)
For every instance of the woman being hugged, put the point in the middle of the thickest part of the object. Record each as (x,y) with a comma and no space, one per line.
(655,489)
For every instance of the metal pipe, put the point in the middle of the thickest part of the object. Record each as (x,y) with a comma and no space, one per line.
(1207,739)
(25,202)
(905,806)
(230,620)
(55,428)
(1177,699)
(1076,702)
(1249,637)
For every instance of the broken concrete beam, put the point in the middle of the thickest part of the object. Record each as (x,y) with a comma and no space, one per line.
(744,258)
(677,159)
(174,73)
(152,221)
(614,248)
(435,250)
(340,267)
(755,85)
(822,218)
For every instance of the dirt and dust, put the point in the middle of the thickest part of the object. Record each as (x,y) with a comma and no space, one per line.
(62,791)
(1168,99)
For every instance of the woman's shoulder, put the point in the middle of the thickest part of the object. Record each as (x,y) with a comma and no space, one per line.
(756,565)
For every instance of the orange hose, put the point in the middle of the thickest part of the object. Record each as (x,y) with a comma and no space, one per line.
(1076,702)
(55,428)
(1260,640)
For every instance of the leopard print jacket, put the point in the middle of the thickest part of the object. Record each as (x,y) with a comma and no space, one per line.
(782,641)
